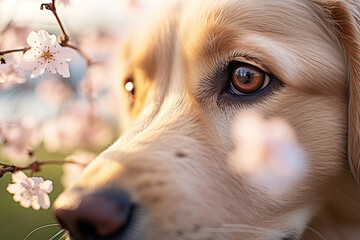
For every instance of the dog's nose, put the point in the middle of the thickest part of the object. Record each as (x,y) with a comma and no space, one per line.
(94,216)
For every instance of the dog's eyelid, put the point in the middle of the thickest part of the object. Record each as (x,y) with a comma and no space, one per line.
(252,63)
(245,58)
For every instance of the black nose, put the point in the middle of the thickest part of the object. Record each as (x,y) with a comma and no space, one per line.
(95,216)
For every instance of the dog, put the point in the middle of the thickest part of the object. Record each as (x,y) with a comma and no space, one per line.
(168,178)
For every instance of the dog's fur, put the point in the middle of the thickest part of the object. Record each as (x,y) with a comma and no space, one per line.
(173,161)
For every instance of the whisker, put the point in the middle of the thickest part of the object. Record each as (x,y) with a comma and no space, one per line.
(245,226)
(316,232)
(64,237)
(239,228)
(36,229)
(62,231)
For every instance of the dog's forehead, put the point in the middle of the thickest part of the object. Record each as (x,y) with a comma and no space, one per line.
(292,39)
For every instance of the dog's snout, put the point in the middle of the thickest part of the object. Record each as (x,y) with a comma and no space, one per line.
(94,216)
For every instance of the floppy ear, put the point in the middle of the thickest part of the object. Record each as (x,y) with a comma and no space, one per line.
(345,15)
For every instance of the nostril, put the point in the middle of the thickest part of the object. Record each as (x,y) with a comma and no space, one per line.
(95,216)
(86,229)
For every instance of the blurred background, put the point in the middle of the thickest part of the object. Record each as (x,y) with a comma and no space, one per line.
(52,115)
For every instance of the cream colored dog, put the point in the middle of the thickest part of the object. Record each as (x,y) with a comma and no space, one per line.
(187,74)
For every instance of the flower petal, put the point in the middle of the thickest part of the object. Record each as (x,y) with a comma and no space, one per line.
(63,69)
(35,202)
(33,39)
(46,186)
(45,38)
(38,71)
(50,66)
(32,53)
(25,201)
(37,180)
(67,53)
(31,60)
(18,177)
(14,188)
(18,197)
(44,200)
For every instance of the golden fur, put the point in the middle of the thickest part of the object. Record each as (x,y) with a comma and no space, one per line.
(173,160)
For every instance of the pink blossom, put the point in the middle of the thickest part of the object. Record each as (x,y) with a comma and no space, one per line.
(17,138)
(15,36)
(76,128)
(30,191)
(65,2)
(97,79)
(73,171)
(46,54)
(99,44)
(10,71)
(54,90)
(267,152)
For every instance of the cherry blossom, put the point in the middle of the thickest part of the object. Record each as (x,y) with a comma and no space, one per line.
(99,44)
(73,171)
(76,128)
(54,91)
(1,73)
(46,54)
(267,152)
(97,79)
(65,2)
(14,36)
(30,191)
(17,138)
(10,71)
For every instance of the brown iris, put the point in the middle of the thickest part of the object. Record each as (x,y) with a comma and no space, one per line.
(246,79)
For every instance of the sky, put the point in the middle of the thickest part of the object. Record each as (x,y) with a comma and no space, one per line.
(82,13)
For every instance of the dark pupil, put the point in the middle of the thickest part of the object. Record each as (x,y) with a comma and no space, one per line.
(245,75)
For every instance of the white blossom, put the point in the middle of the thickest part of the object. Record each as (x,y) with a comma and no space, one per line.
(65,2)
(267,152)
(10,71)
(54,91)
(30,191)
(46,54)
(2,80)
(17,137)
(70,130)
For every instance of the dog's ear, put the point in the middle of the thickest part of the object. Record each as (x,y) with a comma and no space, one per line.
(345,18)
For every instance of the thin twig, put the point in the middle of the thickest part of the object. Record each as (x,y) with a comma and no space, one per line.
(64,42)
(6,27)
(64,38)
(35,166)
(14,50)
(84,55)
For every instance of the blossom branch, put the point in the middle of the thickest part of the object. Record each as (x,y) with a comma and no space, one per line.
(34,166)
(84,55)
(14,50)
(64,38)
(64,42)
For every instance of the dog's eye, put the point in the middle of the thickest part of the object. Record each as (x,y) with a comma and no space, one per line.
(247,79)
(129,87)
